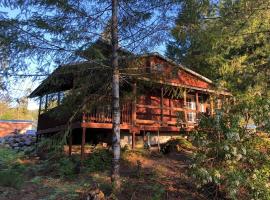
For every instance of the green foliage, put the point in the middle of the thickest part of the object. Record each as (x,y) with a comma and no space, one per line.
(8,157)
(100,160)
(10,178)
(231,158)
(66,167)
(10,168)
(176,145)
(20,112)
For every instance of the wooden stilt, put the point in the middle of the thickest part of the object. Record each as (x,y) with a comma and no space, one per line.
(133,140)
(70,143)
(83,143)
(46,103)
(211,106)
(185,104)
(161,106)
(158,141)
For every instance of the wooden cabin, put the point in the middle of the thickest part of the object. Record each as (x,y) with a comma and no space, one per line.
(158,97)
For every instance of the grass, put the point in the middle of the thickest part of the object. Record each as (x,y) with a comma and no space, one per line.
(11,168)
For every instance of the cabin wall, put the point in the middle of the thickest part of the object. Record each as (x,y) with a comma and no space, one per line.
(180,77)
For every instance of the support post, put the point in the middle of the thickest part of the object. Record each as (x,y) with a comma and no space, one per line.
(133,140)
(134,102)
(212,106)
(39,108)
(197,105)
(158,141)
(70,143)
(46,102)
(197,102)
(161,105)
(83,143)
(185,104)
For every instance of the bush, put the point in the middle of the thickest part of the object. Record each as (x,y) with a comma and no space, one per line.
(66,167)
(176,145)
(99,160)
(230,159)
(10,178)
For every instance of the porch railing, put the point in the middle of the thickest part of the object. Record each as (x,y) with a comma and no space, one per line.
(103,114)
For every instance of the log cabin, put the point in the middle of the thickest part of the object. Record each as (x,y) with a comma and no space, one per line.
(158,97)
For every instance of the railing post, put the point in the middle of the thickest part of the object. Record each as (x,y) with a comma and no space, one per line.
(39,108)
(83,138)
(185,104)
(197,105)
(46,102)
(83,143)
(161,105)
(134,115)
(212,105)
(70,143)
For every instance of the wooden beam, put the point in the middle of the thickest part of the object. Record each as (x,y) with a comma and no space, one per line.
(83,143)
(39,108)
(134,116)
(211,106)
(185,104)
(70,143)
(133,140)
(161,104)
(158,141)
(46,102)
(197,102)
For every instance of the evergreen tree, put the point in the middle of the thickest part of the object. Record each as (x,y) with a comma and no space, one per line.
(228,41)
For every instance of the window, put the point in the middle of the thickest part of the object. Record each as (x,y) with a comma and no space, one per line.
(158,68)
(191,104)
(202,108)
(191,117)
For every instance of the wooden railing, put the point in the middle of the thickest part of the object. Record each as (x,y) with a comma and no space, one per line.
(103,114)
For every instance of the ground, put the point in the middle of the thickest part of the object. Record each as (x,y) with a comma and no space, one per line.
(148,175)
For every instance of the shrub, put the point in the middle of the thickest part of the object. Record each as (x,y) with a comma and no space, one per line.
(230,159)
(175,145)
(66,167)
(10,178)
(99,160)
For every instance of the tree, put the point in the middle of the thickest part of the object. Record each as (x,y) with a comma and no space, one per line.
(62,31)
(228,41)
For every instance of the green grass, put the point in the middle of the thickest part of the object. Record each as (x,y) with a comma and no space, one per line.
(11,169)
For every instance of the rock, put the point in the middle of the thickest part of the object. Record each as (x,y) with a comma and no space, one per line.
(28,142)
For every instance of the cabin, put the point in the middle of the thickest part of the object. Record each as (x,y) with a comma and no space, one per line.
(158,99)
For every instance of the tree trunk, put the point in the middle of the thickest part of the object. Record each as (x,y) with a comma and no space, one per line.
(115,100)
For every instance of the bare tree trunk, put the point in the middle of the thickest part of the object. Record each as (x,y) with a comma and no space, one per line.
(115,100)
